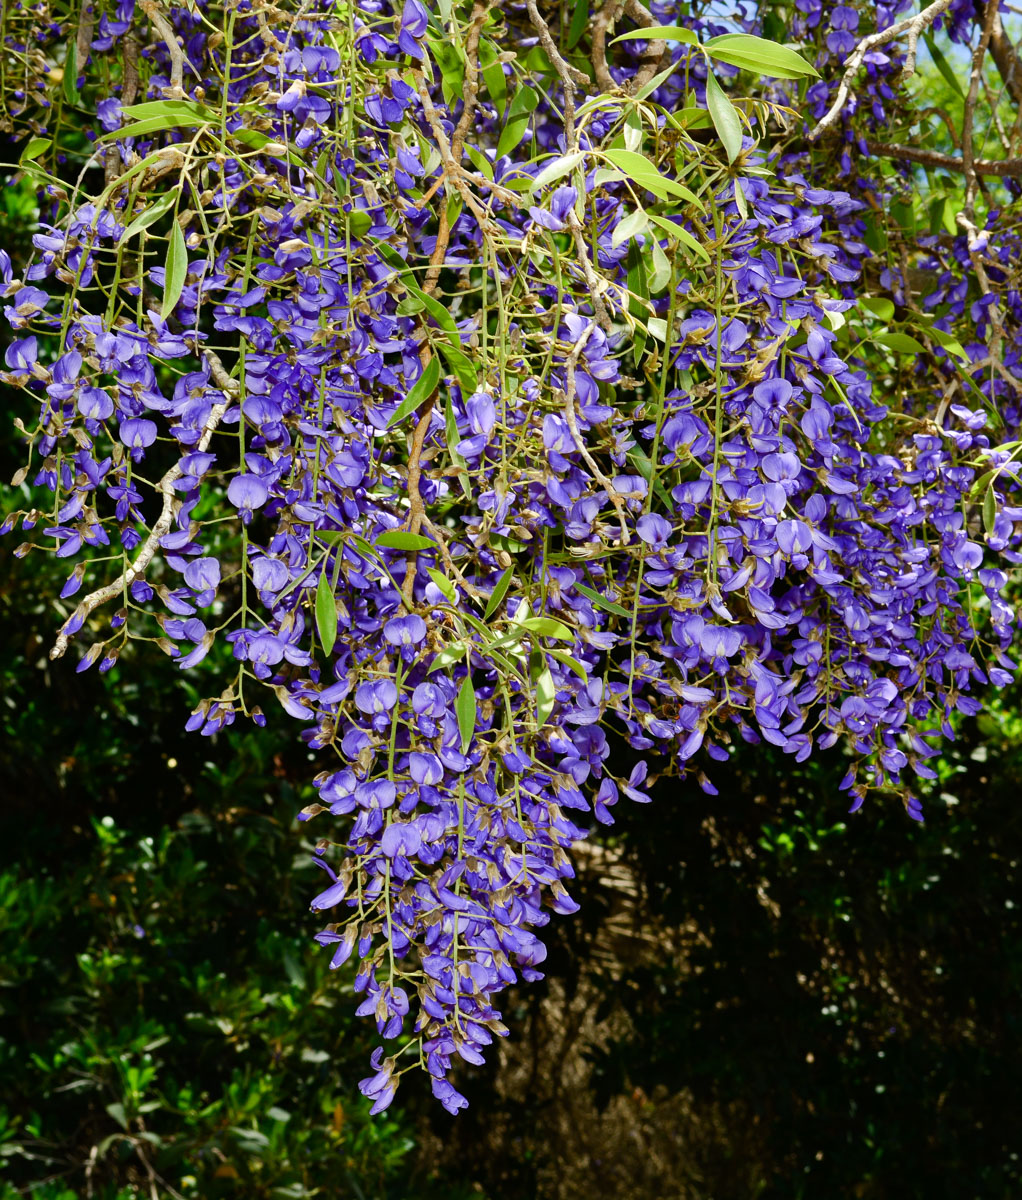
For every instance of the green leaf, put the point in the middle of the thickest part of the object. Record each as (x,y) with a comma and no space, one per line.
(635,223)
(725,118)
(546,627)
(901,343)
(948,342)
(172,110)
(401,539)
(989,510)
(70,80)
(759,55)
(156,125)
(461,365)
(546,695)
(498,593)
(648,89)
(659,33)
(493,76)
(443,583)
(436,310)
(465,709)
(878,306)
(453,653)
(523,105)
(421,389)
(177,270)
(680,234)
(579,21)
(150,215)
(943,66)
(602,601)
(481,163)
(557,169)
(639,169)
(572,664)
(326,612)
(34,147)
(116,1110)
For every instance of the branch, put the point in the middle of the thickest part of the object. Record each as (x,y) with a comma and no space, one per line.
(177,58)
(576,436)
(1008,168)
(166,488)
(1006,60)
(913,26)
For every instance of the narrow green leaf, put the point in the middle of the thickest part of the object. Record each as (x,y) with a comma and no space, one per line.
(679,233)
(34,147)
(443,583)
(572,664)
(465,709)
(498,593)
(602,601)
(579,21)
(70,80)
(433,306)
(522,106)
(155,125)
(176,270)
(635,223)
(557,169)
(421,389)
(948,342)
(546,627)
(546,695)
(989,510)
(493,75)
(901,343)
(326,612)
(451,654)
(725,119)
(639,169)
(171,109)
(150,215)
(461,365)
(659,33)
(879,306)
(943,66)
(758,55)
(401,539)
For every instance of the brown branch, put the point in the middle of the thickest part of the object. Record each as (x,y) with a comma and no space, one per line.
(177,58)
(969,111)
(1008,168)
(602,23)
(170,504)
(451,155)
(655,52)
(1005,57)
(912,26)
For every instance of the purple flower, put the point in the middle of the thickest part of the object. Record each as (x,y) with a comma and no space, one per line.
(414,22)
(247,493)
(405,631)
(654,530)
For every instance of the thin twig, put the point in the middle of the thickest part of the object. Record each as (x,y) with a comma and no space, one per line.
(170,503)
(177,58)
(576,436)
(912,26)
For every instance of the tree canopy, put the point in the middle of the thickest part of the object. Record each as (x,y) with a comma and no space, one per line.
(531,402)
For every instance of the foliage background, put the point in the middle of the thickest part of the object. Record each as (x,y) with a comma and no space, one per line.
(759,998)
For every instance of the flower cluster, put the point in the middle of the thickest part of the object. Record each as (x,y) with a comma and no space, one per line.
(487,417)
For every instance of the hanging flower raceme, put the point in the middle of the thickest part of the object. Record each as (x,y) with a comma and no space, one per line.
(488,413)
